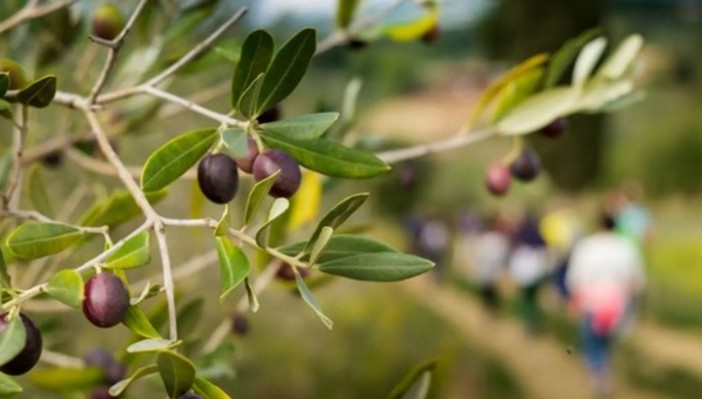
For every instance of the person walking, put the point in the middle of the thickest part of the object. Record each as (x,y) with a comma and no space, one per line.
(489,258)
(605,275)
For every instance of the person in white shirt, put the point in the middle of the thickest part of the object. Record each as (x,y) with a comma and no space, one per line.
(605,275)
(489,258)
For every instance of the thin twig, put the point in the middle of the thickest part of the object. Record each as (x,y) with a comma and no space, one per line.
(12,191)
(61,359)
(216,116)
(32,11)
(459,140)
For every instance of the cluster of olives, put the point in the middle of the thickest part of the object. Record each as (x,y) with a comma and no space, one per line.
(525,168)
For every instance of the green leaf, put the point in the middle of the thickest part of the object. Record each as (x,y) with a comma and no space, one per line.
(4,83)
(208,390)
(337,216)
(133,253)
(304,127)
(341,246)
(175,157)
(39,93)
(177,373)
(380,266)
(12,339)
(257,195)
(234,266)
(189,316)
(310,300)
(328,157)
(588,58)
(251,295)
(248,100)
(4,106)
(287,69)
(67,287)
(223,225)
(345,12)
(116,209)
(147,292)
(37,192)
(66,379)
(563,58)
(36,240)
(237,142)
(278,208)
(321,243)
(416,383)
(256,55)
(119,388)
(620,61)
(153,345)
(598,93)
(539,110)
(8,386)
(137,321)
(5,280)
(517,91)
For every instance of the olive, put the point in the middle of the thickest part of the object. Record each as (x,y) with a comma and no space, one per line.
(218,177)
(106,300)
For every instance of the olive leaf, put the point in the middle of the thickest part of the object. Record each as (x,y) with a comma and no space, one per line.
(256,54)
(36,240)
(66,286)
(208,390)
(278,208)
(60,379)
(379,266)
(136,320)
(256,196)
(177,373)
(563,58)
(134,253)
(39,93)
(337,216)
(310,300)
(539,110)
(345,12)
(37,192)
(8,386)
(620,61)
(237,142)
(121,386)
(153,345)
(416,383)
(587,60)
(175,157)
(234,266)
(12,339)
(304,127)
(340,246)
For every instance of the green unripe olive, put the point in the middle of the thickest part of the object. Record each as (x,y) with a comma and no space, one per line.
(18,78)
(29,355)
(108,21)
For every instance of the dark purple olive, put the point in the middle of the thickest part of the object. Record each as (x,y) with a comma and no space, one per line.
(29,355)
(108,22)
(106,300)
(554,129)
(113,370)
(357,44)
(54,159)
(498,179)
(240,324)
(285,272)
(246,164)
(101,392)
(115,373)
(431,35)
(288,181)
(218,177)
(527,166)
(272,114)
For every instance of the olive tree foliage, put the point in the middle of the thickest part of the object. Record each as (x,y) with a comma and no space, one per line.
(524,100)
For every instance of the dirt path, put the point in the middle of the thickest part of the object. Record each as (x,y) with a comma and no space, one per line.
(544,367)
(668,347)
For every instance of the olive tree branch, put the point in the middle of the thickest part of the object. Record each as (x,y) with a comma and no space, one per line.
(114,48)
(462,138)
(31,11)
(19,136)
(61,359)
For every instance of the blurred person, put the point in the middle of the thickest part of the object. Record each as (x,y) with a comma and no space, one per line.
(490,251)
(605,275)
(561,228)
(527,266)
(633,219)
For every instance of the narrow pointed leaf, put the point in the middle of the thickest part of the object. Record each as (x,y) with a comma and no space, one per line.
(256,54)
(177,373)
(37,192)
(248,101)
(257,195)
(278,208)
(415,29)
(287,69)
(8,386)
(175,157)
(341,246)
(116,209)
(381,266)
(133,253)
(137,321)
(304,127)
(539,110)
(39,93)
(587,60)
(119,388)
(67,287)
(337,216)
(5,280)
(152,345)
(251,295)
(346,10)
(563,58)
(321,243)
(236,140)
(417,381)
(598,93)
(12,339)
(208,390)
(517,91)
(620,61)
(60,379)
(309,298)
(328,157)
(36,240)
(223,225)
(146,292)
(234,266)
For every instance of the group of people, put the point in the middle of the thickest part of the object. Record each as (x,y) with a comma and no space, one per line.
(598,272)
